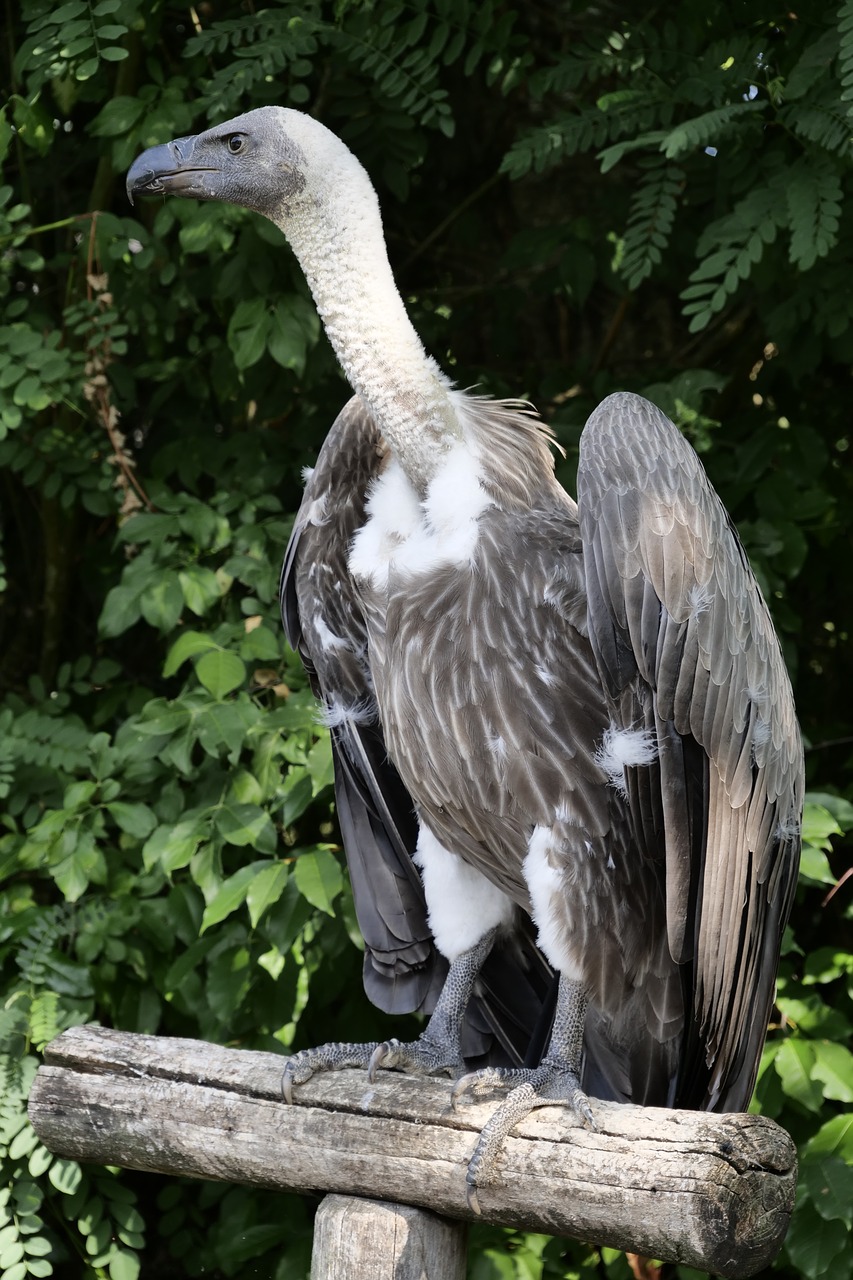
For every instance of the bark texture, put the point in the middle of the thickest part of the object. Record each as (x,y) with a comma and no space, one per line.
(712,1191)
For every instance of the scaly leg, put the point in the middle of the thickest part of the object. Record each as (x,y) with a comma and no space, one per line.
(555,1081)
(437,1051)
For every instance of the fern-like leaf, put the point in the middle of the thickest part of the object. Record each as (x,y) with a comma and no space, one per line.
(814,198)
(825,123)
(618,115)
(650,222)
(845,53)
(730,247)
(710,127)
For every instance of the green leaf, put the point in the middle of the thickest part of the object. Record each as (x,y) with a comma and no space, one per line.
(818,826)
(262,645)
(39,1162)
(826,964)
(121,610)
(814,866)
(187,645)
(174,846)
(118,116)
(266,888)
(247,332)
(162,601)
(124,1264)
(318,878)
(231,895)
(245,824)
(830,1185)
(815,1244)
(794,1064)
(321,765)
(220,672)
(286,338)
(78,794)
(834,1067)
(840,809)
(226,724)
(136,819)
(201,588)
(65,13)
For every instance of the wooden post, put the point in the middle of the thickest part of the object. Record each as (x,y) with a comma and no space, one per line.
(712,1191)
(372,1240)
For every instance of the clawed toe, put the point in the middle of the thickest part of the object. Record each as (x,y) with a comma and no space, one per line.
(549,1084)
(424,1057)
(384,1055)
(326,1057)
(487,1080)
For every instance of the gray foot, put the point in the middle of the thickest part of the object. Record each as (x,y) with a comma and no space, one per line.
(426,1056)
(549,1084)
(436,1051)
(555,1080)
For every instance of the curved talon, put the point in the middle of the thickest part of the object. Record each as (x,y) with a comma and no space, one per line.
(462,1085)
(287,1084)
(584,1110)
(378,1057)
(472,1199)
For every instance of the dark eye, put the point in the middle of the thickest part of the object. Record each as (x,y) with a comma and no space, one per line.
(236,143)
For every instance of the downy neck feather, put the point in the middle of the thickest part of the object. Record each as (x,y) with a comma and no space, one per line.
(335,230)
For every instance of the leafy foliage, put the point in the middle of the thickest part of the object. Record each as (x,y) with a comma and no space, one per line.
(583,201)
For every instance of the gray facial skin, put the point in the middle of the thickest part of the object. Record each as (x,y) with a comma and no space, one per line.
(251,162)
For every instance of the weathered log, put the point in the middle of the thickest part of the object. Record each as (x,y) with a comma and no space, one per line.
(713,1191)
(372,1240)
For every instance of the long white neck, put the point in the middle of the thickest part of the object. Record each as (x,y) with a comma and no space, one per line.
(335,230)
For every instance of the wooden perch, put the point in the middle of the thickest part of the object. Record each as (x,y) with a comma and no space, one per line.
(712,1191)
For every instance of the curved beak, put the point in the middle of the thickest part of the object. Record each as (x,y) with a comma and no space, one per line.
(168,169)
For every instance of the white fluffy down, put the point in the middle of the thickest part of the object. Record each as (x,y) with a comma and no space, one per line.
(462,904)
(547,889)
(335,713)
(623,749)
(408,536)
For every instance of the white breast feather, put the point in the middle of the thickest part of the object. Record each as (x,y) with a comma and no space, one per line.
(547,889)
(406,536)
(462,904)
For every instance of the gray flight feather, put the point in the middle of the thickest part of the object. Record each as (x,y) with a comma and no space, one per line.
(683,640)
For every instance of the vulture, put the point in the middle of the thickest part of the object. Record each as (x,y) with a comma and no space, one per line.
(568,770)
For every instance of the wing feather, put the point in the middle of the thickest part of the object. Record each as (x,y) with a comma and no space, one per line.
(676,614)
(402,970)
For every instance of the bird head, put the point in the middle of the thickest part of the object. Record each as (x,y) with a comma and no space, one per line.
(253,161)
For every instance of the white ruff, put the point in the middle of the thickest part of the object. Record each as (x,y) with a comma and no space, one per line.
(547,889)
(406,536)
(462,904)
